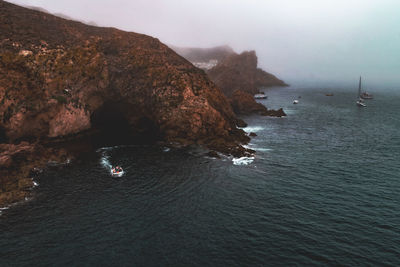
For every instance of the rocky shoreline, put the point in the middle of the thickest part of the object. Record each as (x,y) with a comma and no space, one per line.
(61,80)
(19,163)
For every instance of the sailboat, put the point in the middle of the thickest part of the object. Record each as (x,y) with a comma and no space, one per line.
(365,95)
(360,101)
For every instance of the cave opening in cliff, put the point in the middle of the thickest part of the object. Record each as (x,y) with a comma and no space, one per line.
(3,135)
(116,124)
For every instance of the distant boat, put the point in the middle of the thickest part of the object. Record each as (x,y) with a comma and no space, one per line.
(360,101)
(329,94)
(364,95)
(260,96)
(295,101)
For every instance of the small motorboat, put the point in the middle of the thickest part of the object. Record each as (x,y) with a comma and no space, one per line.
(330,94)
(295,101)
(260,96)
(117,172)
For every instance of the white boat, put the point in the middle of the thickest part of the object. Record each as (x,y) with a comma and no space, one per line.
(117,173)
(360,101)
(260,96)
(295,101)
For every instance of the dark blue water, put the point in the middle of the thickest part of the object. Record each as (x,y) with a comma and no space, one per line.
(323,189)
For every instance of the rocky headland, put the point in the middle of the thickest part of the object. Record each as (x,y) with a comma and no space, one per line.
(237,75)
(62,79)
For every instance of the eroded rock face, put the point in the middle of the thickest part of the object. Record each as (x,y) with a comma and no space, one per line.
(60,79)
(240,72)
(244,103)
(16,165)
(55,74)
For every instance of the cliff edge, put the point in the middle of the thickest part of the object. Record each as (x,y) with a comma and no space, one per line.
(240,72)
(60,78)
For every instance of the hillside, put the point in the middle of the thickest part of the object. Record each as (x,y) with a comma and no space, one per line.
(60,78)
(240,72)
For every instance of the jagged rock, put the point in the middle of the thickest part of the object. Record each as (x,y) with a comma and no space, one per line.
(274,113)
(252,134)
(117,79)
(60,79)
(18,163)
(240,72)
(244,103)
(241,123)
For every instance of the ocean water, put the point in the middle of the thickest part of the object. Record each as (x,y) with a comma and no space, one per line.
(322,189)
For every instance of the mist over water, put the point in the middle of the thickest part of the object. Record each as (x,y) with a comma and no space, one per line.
(301,42)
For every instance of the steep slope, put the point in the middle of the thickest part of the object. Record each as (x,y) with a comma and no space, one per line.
(57,75)
(240,72)
(60,78)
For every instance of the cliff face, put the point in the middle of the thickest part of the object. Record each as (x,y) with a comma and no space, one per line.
(204,54)
(240,72)
(236,75)
(59,77)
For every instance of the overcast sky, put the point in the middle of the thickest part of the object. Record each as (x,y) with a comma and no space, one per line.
(297,40)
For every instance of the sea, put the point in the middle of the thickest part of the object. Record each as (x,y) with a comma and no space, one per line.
(323,189)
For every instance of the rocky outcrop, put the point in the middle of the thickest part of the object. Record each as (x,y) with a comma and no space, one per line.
(60,78)
(56,75)
(17,164)
(244,103)
(240,72)
(237,75)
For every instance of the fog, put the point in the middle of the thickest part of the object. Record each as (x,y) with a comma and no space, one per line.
(300,41)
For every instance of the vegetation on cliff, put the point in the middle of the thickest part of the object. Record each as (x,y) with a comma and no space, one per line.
(59,78)
(240,72)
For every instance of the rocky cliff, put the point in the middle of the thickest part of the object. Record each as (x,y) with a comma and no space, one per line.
(240,72)
(237,75)
(60,78)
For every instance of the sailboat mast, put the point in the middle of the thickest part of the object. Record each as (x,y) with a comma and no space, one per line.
(359,88)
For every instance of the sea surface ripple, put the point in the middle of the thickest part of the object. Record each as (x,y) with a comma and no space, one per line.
(323,189)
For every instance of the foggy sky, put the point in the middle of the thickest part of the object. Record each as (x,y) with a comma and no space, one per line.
(308,41)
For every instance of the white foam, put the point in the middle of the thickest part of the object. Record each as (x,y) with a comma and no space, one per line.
(254,147)
(262,149)
(243,160)
(253,129)
(290,111)
(105,162)
(35,184)
(3,208)
(166,149)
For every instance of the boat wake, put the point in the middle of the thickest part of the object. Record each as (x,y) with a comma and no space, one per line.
(105,159)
